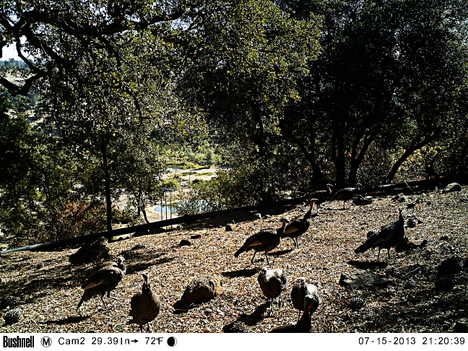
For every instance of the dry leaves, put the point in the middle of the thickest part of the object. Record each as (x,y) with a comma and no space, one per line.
(49,288)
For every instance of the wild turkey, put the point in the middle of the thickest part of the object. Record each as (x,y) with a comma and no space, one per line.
(305,296)
(272,282)
(344,194)
(304,324)
(388,236)
(89,252)
(296,228)
(103,281)
(262,241)
(145,306)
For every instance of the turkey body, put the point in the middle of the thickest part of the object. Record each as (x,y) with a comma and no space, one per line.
(272,283)
(103,281)
(305,296)
(388,236)
(145,306)
(295,229)
(262,241)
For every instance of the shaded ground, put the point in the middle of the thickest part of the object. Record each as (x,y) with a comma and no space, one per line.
(48,288)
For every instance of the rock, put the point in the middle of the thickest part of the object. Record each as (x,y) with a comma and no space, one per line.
(138,247)
(410,284)
(201,289)
(9,301)
(363,280)
(452,187)
(461,326)
(228,228)
(444,283)
(195,236)
(12,316)
(361,200)
(258,215)
(185,242)
(400,198)
(406,245)
(411,205)
(356,303)
(450,266)
(127,236)
(412,221)
(235,327)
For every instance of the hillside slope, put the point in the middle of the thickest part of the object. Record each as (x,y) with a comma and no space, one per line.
(48,288)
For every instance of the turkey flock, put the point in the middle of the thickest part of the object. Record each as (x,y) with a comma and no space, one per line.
(272,282)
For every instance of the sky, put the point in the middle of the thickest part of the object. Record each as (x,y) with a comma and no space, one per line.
(9,52)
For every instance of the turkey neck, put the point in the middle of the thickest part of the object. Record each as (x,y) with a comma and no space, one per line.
(308,214)
(281,230)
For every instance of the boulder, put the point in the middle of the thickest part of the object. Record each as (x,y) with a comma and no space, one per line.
(400,198)
(362,200)
(461,326)
(235,327)
(185,242)
(406,245)
(452,187)
(200,290)
(12,316)
(450,266)
(412,221)
(356,303)
(444,283)
(9,301)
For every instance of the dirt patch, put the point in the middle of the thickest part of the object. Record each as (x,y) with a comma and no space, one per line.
(49,287)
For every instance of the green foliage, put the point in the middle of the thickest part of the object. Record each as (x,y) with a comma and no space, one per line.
(170,184)
(390,74)
(374,167)
(245,58)
(36,177)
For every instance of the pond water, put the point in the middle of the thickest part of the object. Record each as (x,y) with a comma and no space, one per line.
(164,208)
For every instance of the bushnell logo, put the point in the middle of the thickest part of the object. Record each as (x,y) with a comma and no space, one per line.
(18,342)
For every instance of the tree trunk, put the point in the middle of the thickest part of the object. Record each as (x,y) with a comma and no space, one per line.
(309,154)
(357,160)
(143,210)
(404,157)
(339,149)
(107,188)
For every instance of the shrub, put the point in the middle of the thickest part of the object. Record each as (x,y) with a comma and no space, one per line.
(374,167)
